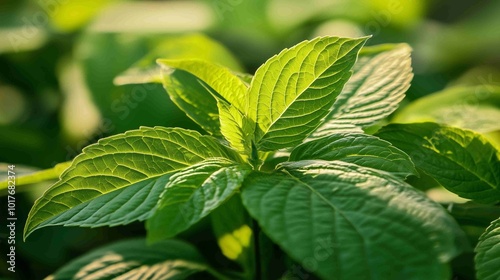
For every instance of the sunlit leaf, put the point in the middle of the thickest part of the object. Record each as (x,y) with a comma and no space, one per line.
(226,84)
(130,159)
(192,97)
(292,92)
(236,128)
(381,76)
(199,88)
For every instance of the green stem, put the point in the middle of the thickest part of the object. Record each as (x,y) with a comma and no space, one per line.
(257,254)
(217,274)
(37,177)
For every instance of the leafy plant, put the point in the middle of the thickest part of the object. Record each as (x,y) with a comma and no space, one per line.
(285,162)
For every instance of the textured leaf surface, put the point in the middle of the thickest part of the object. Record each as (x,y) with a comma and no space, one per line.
(121,161)
(361,149)
(226,84)
(292,92)
(381,76)
(133,259)
(192,194)
(460,160)
(476,108)
(119,207)
(195,46)
(236,128)
(488,253)
(344,221)
(194,98)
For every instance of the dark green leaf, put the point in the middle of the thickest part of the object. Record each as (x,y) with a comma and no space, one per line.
(344,221)
(133,259)
(232,226)
(361,149)
(488,253)
(192,194)
(460,160)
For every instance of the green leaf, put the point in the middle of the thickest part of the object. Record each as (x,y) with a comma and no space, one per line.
(245,78)
(133,259)
(122,206)
(293,91)
(232,227)
(381,76)
(339,219)
(116,162)
(361,149)
(200,92)
(462,161)
(488,253)
(192,97)
(476,108)
(194,46)
(192,194)
(226,84)
(236,128)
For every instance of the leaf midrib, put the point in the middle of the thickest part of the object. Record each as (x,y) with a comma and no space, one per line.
(305,89)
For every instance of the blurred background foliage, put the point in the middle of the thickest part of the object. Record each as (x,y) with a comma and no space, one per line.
(71,73)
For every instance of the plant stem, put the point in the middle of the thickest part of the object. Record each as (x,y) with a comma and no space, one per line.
(256,238)
(217,274)
(38,176)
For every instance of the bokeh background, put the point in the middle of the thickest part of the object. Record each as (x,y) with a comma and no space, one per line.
(68,74)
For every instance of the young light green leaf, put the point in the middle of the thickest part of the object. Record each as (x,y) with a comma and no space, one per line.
(192,194)
(121,161)
(193,46)
(361,149)
(226,84)
(381,76)
(133,259)
(293,91)
(352,222)
(232,227)
(476,108)
(462,161)
(245,78)
(194,98)
(236,128)
(488,253)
